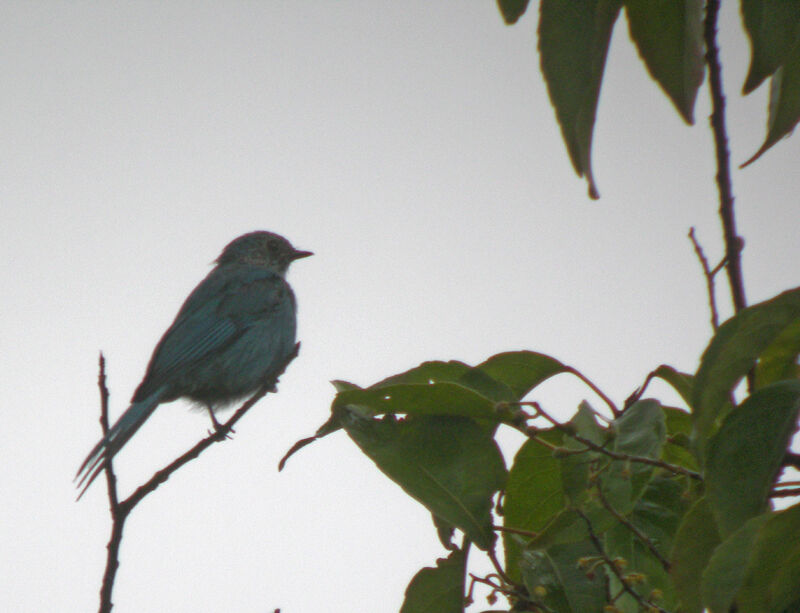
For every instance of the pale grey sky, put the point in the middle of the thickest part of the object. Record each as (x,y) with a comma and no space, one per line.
(412,147)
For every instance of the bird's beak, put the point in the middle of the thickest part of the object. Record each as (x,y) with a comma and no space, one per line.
(301,254)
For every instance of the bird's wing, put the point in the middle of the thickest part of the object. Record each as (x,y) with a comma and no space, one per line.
(217,313)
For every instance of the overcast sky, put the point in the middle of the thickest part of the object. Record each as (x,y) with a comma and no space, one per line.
(412,147)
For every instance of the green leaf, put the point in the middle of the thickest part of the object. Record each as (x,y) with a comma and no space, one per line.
(773,28)
(444,531)
(681,382)
(573,43)
(779,360)
(677,448)
(522,370)
(512,10)
(695,541)
(419,399)
(640,431)
(727,567)
(669,37)
(440,589)
(575,467)
(677,421)
(567,589)
(534,494)
(451,372)
(449,464)
(732,353)
(744,456)
(427,372)
(569,527)
(772,584)
(657,515)
(784,103)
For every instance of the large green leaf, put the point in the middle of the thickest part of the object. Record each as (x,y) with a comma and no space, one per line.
(758,566)
(640,431)
(695,541)
(534,494)
(783,111)
(566,586)
(449,464)
(419,399)
(773,28)
(772,584)
(427,372)
(669,37)
(732,353)
(521,371)
(440,589)
(744,456)
(727,567)
(779,360)
(573,43)
(575,467)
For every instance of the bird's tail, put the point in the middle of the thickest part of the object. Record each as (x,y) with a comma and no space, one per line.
(119,434)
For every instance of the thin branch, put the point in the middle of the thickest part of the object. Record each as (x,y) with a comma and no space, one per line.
(733,243)
(629,525)
(643,602)
(709,276)
(117,515)
(785,493)
(595,389)
(791,459)
(673,468)
(500,572)
(121,509)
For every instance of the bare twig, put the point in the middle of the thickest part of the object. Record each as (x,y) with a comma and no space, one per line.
(673,468)
(616,412)
(709,276)
(646,604)
(733,243)
(121,509)
(795,491)
(498,567)
(792,459)
(118,516)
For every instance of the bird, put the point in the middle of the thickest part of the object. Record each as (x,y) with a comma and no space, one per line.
(233,333)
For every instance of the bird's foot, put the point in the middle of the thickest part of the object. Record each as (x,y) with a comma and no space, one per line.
(218,426)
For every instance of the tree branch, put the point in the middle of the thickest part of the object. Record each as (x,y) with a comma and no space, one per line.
(121,510)
(591,445)
(643,538)
(709,276)
(647,605)
(733,243)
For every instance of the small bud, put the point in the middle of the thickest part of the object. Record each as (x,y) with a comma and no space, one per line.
(656,594)
(540,591)
(620,563)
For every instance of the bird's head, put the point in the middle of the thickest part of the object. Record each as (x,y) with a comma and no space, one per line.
(264,249)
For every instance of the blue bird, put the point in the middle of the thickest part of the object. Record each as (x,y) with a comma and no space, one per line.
(233,333)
